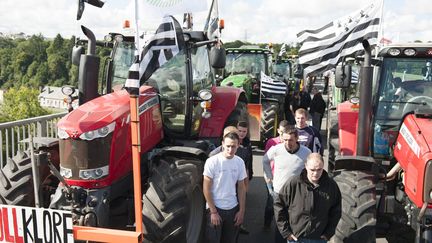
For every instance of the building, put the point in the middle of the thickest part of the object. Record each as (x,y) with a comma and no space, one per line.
(52,97)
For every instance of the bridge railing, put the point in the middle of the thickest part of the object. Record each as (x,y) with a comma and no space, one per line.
(11,133)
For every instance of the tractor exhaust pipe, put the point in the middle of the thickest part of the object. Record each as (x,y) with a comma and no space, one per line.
(88,70)
(365,112)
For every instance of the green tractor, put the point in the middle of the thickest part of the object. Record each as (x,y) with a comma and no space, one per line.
(250,68)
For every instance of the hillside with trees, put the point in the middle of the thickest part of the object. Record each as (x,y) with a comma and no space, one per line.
(28,64)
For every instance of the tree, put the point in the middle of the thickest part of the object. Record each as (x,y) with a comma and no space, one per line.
(20,104)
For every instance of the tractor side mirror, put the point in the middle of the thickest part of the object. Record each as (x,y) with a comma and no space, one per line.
(77,51)
(217,57)
(343,76)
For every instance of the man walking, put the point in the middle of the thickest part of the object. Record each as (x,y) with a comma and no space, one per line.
(268,211)
(309,136)
(289,158)
(308,206)
(223,173)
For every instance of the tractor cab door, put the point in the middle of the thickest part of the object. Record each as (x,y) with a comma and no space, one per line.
(170,82)
(178,86)
(202,79)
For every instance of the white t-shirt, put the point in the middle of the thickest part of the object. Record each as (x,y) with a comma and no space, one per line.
(224,173)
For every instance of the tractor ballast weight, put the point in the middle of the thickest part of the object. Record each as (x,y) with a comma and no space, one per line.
(384,173)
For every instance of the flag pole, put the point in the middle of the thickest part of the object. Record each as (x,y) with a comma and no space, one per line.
(381,29)
(207,23)
(133,90)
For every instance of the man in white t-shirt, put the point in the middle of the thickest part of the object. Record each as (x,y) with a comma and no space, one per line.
(225,192)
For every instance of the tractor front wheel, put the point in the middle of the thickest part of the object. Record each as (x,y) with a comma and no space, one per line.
(358,220)
(173,205)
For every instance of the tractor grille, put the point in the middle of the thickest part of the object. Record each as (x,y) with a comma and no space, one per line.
(76,154)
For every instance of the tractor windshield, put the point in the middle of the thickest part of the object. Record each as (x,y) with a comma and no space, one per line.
(122,60)
(282,69)
(245,63)
(405,85)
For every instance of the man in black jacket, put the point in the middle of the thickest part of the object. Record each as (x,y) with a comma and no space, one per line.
(308,207)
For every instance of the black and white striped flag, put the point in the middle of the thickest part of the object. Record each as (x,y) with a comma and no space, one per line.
(323,48)
(164,45)
(211,26)
(282,50)
(272,86)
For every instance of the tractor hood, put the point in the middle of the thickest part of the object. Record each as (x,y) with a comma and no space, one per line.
(98,113)
(236,80)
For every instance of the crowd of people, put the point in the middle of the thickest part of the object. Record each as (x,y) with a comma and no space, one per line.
(303,202)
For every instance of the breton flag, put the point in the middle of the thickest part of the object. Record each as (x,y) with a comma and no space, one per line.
(271,86)
(211,26)
(282,50)
(164,45)
(323,48)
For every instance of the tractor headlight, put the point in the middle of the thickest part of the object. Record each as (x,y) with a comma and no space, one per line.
(65,172)
(68,90)
(205,94)
(94,174)
(409,52)
(62,134)
(98,133)
(394,52)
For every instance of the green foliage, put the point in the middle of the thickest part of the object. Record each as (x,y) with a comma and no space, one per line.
(37,62)
(20,104)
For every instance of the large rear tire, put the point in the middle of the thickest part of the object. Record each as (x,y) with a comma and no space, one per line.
(16,183)
(269,120)
(358,220)
(173,205)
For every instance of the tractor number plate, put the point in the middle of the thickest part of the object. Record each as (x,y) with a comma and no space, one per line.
(26,224)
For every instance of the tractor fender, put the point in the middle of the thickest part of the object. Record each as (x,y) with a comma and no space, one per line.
(347,121)
(223,103)
(352,163)
(187,151)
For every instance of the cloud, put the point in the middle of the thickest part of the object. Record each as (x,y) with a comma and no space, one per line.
(259,21)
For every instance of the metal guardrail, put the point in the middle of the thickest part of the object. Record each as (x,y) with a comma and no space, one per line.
(11,133)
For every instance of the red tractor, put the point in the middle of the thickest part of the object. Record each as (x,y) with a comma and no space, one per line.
(182,114)
(384,167)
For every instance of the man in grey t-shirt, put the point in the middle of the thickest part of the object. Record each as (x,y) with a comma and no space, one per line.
(289,158)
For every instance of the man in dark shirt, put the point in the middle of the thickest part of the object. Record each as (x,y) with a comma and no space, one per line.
(309,136)
(308,207)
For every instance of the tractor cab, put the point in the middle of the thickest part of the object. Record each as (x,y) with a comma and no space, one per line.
(404,86)
(282,68)
(243,68)
(251,68)
(180,105)
(401,85)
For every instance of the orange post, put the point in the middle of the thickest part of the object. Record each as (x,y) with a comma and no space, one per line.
(106,235)
(136,161)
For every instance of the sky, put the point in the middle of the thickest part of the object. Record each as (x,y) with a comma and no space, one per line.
(255,21)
